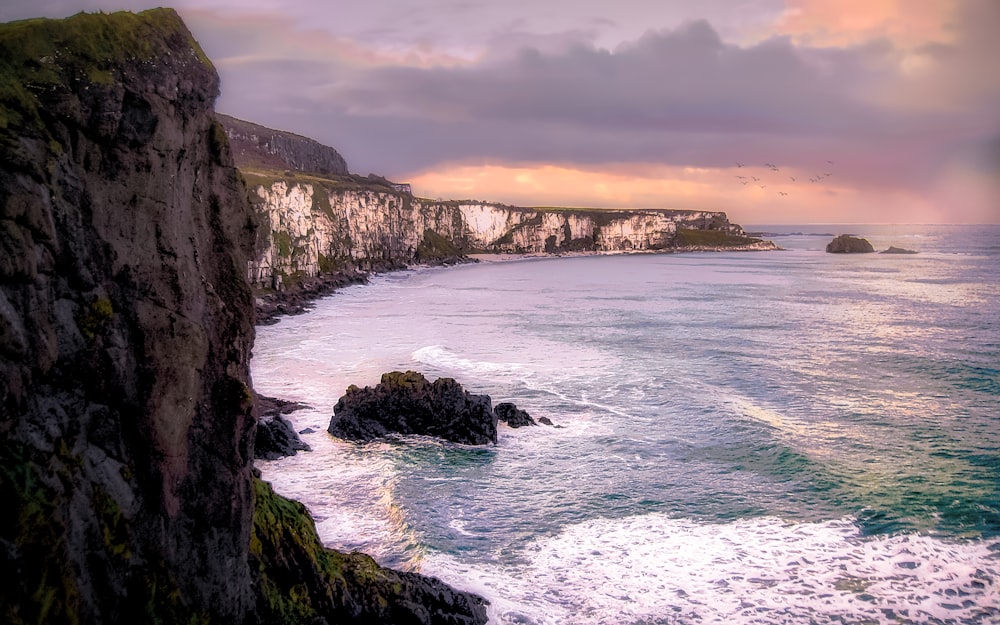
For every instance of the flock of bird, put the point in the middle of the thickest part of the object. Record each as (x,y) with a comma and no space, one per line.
(745,180)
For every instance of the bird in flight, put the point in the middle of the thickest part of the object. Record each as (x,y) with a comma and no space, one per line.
(755,178)
(793,178)
(762,186)
(739,164)
(782,193)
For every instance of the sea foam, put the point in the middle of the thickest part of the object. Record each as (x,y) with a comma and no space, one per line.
(657,569)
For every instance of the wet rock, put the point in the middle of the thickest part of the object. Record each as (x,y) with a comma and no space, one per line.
(512,415)
(276,438)
(407,403)
(897,250)
(847,244)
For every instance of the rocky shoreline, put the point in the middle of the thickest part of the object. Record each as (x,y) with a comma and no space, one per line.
(298,298)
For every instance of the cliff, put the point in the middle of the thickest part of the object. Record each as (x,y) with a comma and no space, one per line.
(126,322)
(314,225)
(257,147)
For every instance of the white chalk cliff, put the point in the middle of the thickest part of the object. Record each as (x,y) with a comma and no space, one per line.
(318,226)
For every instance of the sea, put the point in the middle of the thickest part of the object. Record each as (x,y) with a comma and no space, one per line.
(784,436)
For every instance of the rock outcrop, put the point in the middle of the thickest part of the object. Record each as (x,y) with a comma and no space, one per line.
(847,244)
(298,581)
(126,321)
(513,416)
(276,438)
(897,250)
(407,403)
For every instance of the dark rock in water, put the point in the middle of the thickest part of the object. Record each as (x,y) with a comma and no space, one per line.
(512,415)
(407,403)
(847,244)
(545,420)
(307,431)
(897,250)
(275,436)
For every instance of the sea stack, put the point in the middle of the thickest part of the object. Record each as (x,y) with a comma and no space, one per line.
(408,403)
(847,244)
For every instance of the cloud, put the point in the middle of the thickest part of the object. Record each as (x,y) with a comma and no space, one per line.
(903,97)
(678,97)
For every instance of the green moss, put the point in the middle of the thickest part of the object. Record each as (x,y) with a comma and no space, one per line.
(436,247)
(284,242)
(40,56)
(34,529)
(113,525)
(96,318)
(690,237)
(217,140)
(326,264)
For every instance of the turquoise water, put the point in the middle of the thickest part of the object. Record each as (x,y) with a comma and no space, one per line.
(769,437)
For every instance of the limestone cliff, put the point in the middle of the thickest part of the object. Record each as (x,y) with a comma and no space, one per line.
(126,322)
(314,225)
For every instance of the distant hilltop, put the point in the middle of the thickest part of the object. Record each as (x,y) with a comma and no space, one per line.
(256,147)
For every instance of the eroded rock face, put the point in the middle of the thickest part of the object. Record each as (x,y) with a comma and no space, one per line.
(125,327)
(407,403)
(847,244)
(323,227)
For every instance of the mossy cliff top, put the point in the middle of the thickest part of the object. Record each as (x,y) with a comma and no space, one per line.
(42,59)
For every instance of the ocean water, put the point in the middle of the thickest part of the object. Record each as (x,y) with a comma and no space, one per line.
(764,437)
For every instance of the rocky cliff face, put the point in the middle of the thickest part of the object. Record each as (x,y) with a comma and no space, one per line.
(126,321)
(125,326)
(257,147)
(315,225)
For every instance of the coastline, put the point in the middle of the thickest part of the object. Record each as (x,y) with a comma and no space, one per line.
(298,298)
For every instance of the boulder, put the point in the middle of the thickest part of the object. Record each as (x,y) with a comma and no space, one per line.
(407,403)
(897,250)
(847,244)
(512,415)
(276,438)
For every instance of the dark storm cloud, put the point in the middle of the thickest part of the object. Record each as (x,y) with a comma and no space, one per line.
(681,96)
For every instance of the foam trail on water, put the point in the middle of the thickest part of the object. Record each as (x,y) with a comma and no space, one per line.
(443,358)
(656,569)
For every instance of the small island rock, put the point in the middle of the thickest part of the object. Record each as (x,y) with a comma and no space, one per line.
(847,244)
(512,415)
(407,403)
(897,250)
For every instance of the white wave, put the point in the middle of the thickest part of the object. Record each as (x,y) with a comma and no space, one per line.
(655,569)
(447,360)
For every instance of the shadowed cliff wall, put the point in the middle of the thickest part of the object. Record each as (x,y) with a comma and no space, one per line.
(126,322)
(125,326)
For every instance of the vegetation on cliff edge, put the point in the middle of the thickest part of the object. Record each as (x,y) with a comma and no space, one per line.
(41,56)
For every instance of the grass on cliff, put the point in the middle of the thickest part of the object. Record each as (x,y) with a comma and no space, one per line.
(296,578)
(41,55)
(690,237)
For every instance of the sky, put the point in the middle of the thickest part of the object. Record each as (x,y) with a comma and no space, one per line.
(775,111)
